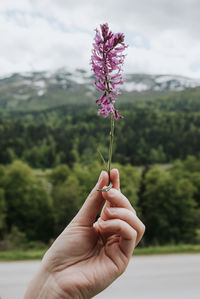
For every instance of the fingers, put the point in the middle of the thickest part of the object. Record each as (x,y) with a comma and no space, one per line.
(114,177)
(127,233)
(93,203)
(117,199)
(129,217)
(119,217)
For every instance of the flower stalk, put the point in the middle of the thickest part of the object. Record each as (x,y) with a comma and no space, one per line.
(111,145)
(107,60)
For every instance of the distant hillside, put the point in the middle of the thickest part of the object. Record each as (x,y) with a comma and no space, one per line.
(51,118)
(45,90)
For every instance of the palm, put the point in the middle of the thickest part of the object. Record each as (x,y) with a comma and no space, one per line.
(90,259)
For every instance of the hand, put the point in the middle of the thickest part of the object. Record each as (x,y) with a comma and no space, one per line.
(88,256)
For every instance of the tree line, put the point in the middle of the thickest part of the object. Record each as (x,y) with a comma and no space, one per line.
(142,137)
(36,205)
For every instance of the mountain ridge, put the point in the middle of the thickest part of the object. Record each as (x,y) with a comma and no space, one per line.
(48,89)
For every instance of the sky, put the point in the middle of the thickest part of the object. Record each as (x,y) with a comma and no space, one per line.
(37,35)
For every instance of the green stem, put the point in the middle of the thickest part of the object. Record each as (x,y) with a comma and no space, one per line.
(110,154)
(111,145)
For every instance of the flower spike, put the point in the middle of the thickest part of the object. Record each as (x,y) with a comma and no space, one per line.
(107,61)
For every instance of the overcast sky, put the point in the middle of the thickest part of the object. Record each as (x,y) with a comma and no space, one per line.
(163,35)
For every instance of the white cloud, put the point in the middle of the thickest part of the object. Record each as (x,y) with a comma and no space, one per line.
(32,43)
(163,36)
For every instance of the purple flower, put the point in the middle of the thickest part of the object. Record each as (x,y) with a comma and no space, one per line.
(107,60)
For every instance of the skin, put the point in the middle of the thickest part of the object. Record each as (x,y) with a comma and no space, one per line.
(89,255)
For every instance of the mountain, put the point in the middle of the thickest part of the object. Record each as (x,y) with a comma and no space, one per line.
(163,83)
(41,90)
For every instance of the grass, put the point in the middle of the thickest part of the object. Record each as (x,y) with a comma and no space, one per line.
(168,249)
(21,255)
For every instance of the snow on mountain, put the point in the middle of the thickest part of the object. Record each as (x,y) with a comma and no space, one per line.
(138,82)
(134,86)
(39,83)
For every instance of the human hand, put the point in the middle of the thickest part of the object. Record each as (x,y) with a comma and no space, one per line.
(89,255)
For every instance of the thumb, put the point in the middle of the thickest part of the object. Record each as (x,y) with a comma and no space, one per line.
(93,204)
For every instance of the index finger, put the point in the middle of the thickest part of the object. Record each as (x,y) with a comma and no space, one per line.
(117,199)
(114,177)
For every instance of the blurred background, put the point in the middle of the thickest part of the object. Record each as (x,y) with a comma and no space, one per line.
(50,133)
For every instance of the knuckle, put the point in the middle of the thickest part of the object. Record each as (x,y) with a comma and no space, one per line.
(134,234)
(111,193)
(134,211)
(143,228)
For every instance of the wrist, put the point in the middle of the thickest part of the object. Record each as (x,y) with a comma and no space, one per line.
(43,286)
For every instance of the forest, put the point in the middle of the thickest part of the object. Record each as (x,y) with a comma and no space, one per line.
(49,162)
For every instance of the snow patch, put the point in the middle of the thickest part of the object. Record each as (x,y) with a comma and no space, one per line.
(27,82)
(134,86)
(177,82)
(40,84)
(2,77)
(41,92)
(80,77)
(26,74)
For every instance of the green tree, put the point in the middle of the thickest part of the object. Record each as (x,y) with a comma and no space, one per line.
(168,208)
(28,204)
(66,199)
(87,176)
(3,211)
(59,174)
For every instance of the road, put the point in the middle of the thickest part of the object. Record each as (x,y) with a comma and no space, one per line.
(147,277)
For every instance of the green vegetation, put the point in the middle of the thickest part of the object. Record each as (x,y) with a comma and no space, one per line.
(22,255)
(49,162)
(170,249)
(35,209)
(153,131)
